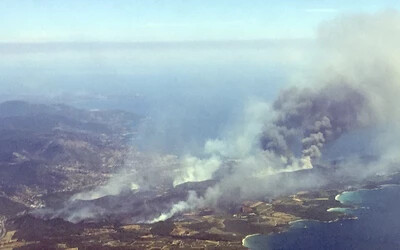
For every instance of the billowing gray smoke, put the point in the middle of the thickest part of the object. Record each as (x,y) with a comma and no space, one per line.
(314,117)
(352,81)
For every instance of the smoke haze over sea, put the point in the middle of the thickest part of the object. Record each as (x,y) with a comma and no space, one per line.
(269,106)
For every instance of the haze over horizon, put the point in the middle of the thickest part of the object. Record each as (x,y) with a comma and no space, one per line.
(60,43)
(30,21)
(197,123)
(163,59)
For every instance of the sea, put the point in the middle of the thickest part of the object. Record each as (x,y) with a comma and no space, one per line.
(376,225)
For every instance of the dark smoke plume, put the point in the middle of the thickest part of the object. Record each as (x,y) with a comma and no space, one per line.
(353,83)
(314,117)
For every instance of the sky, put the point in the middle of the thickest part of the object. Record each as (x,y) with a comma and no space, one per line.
(170,20)
(194,61)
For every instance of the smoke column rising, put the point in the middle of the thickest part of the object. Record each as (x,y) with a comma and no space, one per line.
(355,84)
(352,83)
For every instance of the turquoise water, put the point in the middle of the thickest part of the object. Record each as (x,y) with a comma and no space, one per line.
(377,226)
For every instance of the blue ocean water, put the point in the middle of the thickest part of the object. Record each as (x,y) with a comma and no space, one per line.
(377,226)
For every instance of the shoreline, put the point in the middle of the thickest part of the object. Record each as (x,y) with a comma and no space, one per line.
(248,236)
(290,224)
(329,210)
(263,219)
(296,221)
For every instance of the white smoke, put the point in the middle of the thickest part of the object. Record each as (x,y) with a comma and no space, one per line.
(195,169)
(118,183)
(242,144)
(354,84)
(192,202)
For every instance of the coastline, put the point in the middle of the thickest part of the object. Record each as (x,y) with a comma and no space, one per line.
(248,236)
(340,210)
(297,221)
(256,223)
(292,223)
